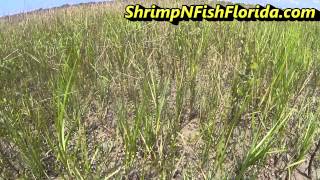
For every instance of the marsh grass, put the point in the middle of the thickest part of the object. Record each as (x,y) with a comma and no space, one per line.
(87,94)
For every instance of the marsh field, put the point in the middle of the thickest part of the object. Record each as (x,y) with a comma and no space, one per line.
(87,94)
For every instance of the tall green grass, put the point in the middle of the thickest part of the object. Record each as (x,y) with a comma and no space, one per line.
(86,94)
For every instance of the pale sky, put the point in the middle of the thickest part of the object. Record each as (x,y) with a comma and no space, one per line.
(8,7)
